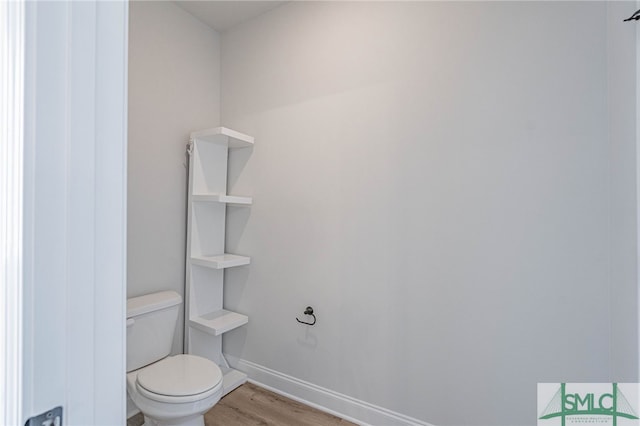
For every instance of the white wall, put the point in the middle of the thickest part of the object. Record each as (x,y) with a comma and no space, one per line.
(621,55)
(174,88)
(435,179)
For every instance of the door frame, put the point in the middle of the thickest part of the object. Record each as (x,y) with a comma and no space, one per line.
(11,144)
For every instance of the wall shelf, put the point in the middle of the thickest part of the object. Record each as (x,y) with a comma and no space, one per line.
(218,322)
(206,258)
(221,261)
(222,198)
(225,136)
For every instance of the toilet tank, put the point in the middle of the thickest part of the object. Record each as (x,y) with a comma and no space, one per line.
(151,322)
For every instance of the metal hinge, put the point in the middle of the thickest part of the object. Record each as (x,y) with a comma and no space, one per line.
(50,418)
(190,147)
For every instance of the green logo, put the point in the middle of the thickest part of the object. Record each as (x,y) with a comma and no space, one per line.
(585,402)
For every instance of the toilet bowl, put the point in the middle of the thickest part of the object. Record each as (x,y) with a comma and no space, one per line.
(177,390)
(168,390)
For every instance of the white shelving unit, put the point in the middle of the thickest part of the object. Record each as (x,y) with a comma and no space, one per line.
(206,257)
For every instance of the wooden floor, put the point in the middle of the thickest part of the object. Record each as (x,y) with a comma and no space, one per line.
(250,405)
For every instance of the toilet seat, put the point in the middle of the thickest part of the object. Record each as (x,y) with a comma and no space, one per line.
(180,378)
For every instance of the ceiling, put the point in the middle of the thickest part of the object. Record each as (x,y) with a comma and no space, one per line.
(222,15)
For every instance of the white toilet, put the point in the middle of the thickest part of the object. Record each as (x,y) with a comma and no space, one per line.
(168,390)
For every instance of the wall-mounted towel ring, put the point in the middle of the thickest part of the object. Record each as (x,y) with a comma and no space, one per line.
(308,311)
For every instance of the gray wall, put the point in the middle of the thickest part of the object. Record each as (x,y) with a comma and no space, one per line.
(439,181)
(174,88)
(621,54)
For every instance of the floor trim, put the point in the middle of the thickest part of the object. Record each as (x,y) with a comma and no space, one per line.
(343,406)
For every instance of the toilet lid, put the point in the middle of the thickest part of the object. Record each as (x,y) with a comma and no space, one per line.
(180,375)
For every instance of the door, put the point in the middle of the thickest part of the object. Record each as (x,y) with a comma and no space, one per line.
(73,255)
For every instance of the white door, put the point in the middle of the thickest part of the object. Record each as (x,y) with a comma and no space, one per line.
(73,214)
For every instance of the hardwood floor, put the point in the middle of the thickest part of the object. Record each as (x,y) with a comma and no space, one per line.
(250,405)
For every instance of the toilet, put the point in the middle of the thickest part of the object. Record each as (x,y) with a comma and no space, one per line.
(169,390)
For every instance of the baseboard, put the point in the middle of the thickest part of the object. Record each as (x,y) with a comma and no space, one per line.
(346,407)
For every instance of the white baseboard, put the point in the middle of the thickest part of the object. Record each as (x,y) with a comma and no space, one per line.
(343,406)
